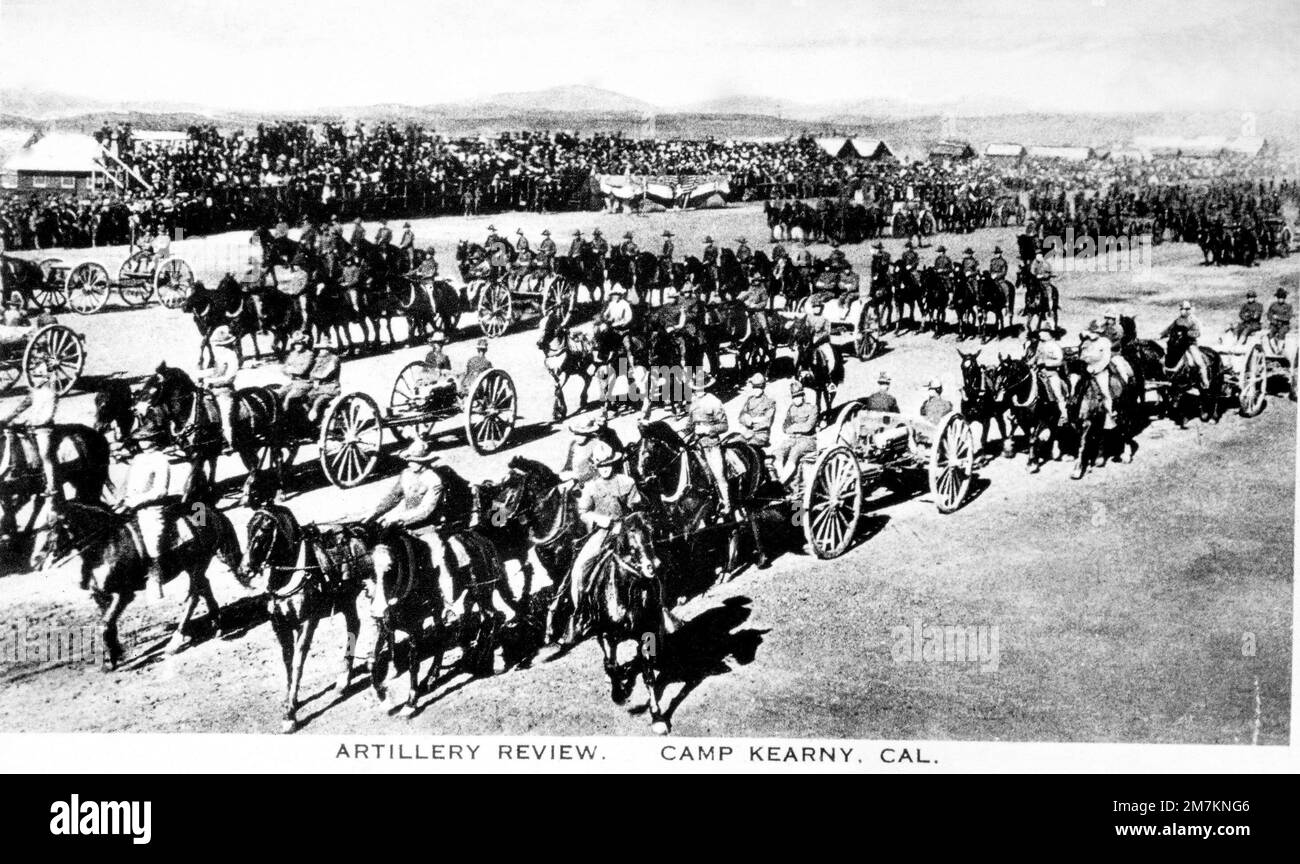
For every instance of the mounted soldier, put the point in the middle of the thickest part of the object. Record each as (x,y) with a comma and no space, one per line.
(383,234)
(909,259)
(708,419)
(666,259)
(998,265)
(709,255)
(1049,361)
(576,244)
(970,265)
(744,254)
(599,244)
(942,263)
(145,494)
(219,379)
(406,246)
(1187,322)
(546,251)
(628,248)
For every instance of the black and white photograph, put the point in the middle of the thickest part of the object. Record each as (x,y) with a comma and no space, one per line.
(895,384)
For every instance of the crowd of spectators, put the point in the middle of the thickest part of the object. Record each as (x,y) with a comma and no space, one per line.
(211,180)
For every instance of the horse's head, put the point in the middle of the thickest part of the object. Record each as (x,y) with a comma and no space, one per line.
(634,544)
(61,532)
(1008,376)
(113,405)
(972,373)
(272,540)
(655,455)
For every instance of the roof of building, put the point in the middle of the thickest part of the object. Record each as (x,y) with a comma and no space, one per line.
(58,152)
(1005,150)
(1072,154)
(952,149)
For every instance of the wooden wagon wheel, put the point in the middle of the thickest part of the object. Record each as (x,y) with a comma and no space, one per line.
(407,401)
(495,309)
(1253,382)
(135,287)
(952,462)
(173,280)
(88,287)
(491,409)
(54,355)
(351,437)
(559,294)
(867,342)
(846,424)
(51,293)
(832,502)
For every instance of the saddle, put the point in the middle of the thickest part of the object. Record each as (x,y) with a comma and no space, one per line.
(409,557)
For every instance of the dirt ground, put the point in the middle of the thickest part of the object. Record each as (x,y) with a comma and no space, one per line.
(1149,602)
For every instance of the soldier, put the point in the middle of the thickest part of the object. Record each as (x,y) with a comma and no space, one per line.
(998,264)
(1279,317)
(546,251)
(358,237)
(1111,329)
(882,399)
(837,262)
(144,493)
(436,357)
(628,248)
(1187,322)
(35,412)
(802,257)
(667,252)
(743,253)
(619,315)
(575,245)
(880,264)
(219,378)
(1095,352)
(970,265)
(935,407)
(1049,360)
(709,423)
(605,500)
(297,367)
(428,269)
(942,263)
(326,372)
(1040,268)
(406,245)
(599,244)
(818,323)
(492,238)
(438,383)
(475,366)
(521,245)
(709,256)
(383,234)
(579,461)
(308,236)
(757,414)
(909,259)
(799,424)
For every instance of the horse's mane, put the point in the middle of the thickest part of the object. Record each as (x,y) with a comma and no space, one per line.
(659,431)
(533,468)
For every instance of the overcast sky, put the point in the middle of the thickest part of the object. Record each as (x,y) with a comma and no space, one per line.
(1089,55)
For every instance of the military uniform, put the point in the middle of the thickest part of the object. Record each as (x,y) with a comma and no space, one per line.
(326,371)
(757,415)
(743,253)
(406,246)
(943,264)
(909,259)
(628,248)
(474,367)
(600,245)
(383,234)
(709,420)
(602,503)
(970,265)
(546,252)
(882,400)
(935,408)
(575,247)
(710,255)
(998,267)
(1279,319)
(799,424)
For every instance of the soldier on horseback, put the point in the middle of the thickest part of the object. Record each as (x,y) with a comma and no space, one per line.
(709,255)
(599,244)
(604,502)
(666,259)
(546,252)
(998,265)
(744,255)
(1049,359)
(219,379)
(34,412)
(909,259)
(1111,330)
(628,248)
(709,423)
(942,263)
(1187,322)
(580,459)
(970,265)
(576,244)
(620,316)
(406,246)
(144,493)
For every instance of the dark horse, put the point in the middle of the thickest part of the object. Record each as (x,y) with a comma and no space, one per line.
(980,397)
(1186,392)
(80,461)
(1034,410)
(625,601)
(568,355)
(1103,432)
(114,566)
(818,367)
(309,574)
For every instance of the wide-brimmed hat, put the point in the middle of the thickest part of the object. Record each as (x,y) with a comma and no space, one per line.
(492,228)
(419,452)
(1185,306)
(519,231)
(546,232)
(878,245)
(1111,313)
(1250,293)
(1281,292)
(481,344)
(299,338)
(668,234)
(934,384)
(941,248)
(627,235)
(15,301)
(584,427)
(617,289)
(968,251)
(796,389)
(603,454)
(222,337)
(997,250)
(593,231)
(883,378)
(438,337)
(741,240)
(708,239)
(817,303)
(757,380)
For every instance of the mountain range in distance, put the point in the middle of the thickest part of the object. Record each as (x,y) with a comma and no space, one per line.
(589,109)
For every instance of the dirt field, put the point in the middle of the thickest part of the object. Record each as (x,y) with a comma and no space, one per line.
(1149,602)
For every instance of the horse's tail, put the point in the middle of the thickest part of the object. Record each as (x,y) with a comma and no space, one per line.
(226,544)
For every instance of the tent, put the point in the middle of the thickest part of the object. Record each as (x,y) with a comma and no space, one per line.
(1005,151)
(1066,154)
(951,150)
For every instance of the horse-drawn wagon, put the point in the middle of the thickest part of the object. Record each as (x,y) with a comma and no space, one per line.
(141,277)
(352,433)
(34,284)
(859,449)
(1249,368)
(499,298)
(40,355)
(853,320)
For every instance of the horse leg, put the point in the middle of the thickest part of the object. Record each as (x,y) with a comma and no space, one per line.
(413,646)
(618,690)
(301,647)
(110,611)
(648,659)
(382,654)
(1086,447)
(188,605)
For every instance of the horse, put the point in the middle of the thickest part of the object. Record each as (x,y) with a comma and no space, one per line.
(114,566)
(115,411)
(994,298)
(1018,391)
(1041,300)
(979,401)
(908,294)
(171,398)
(81,457)
(568,355)
(818,367)
(213,307)
(625,601)
(413,594)
(585,269)
(309,575)
(615,357)
(1185,386)
(1102,432)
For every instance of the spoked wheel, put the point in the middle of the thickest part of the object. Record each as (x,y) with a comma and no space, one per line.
(88,287)
(173,281)
(350,439)
(560,294)
(51,293)
(407,400)
(490,411)
(952,462)
(868,346)
(135,292)
(495,309)
(1254,382)
(832,502)
(54,356)
(9,375)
